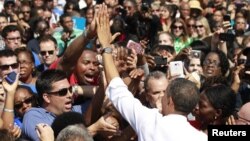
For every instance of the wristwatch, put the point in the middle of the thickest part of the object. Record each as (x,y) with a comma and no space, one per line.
(107,50)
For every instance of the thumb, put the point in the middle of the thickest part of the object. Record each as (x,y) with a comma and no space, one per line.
(115,36)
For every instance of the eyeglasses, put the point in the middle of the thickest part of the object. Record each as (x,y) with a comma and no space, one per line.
(50,52)
(13,39)
(26,101)
(191,25)
(24,62)
(214,63)
(244,120)
(198,26)
(175,27)
(62,92)
(6,67)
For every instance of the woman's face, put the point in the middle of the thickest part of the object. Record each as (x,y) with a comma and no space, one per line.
(22,101)
(177,29)
(165,39)
(195,65)
(26,65)
(218,17)
(200,29)
(164,13)
(205,112)
(211,65)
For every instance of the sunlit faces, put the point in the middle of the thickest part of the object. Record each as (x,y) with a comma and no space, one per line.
(200,28)
(195,65)
(68,24)
(155,91)
(177,29)
(129,7)
(7,65)
(87,67)
(59,104)
(165,39)
(164,13)
(26,64)
(13,40)
(205,112)
(48,52)
(22,101)
(3,23)
(211,65)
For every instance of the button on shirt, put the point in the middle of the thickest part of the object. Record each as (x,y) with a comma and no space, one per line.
(149,124)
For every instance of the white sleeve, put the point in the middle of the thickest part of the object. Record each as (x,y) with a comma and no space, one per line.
(129,107)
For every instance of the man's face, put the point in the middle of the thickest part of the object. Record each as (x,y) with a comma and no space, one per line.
(68,24)
(87,67)
(56,103)
(26,12)
(48,52)
(155,91)
(13,40)
(7,65)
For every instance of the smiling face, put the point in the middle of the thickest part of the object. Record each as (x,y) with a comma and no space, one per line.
(22,101)
(87,67)
(211,65)
(26,65)
(177,29)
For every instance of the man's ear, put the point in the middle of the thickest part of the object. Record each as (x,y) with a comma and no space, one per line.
(171,103)
(46,98)
(57,50)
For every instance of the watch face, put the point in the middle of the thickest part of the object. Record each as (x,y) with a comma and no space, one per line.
(107,50)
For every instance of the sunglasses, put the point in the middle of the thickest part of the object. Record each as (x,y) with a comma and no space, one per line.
(198,26)
(50,52)
(175,27)
(6,67)
(62,92)
(26,101)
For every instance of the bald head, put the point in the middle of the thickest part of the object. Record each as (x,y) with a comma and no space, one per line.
(244,114)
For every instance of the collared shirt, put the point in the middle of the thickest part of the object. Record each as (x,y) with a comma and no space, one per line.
(61,43)
(40,115)
(149,124)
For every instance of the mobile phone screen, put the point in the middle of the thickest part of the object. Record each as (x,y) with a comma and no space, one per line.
(136,46)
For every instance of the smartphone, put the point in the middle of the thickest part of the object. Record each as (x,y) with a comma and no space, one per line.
(159,60)
(11,77)
(196,54)
(227,18)
(176,69)
(226,37)
(136,46)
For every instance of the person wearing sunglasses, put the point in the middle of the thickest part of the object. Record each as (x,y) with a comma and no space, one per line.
(48,52)
(8,62)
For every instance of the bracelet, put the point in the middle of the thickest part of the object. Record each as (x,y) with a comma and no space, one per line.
(8,110)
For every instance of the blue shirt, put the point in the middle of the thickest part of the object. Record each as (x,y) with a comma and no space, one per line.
(40,115)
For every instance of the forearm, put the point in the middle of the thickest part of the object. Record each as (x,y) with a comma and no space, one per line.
(8,112)
(86,90)
(94,110)
(74,51)
(109,67)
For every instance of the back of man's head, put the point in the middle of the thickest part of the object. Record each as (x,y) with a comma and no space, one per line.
(74,132)
(184,93)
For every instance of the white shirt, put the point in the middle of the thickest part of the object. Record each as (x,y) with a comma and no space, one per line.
(149,124)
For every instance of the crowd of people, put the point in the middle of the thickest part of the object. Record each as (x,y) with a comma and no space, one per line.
(146,70)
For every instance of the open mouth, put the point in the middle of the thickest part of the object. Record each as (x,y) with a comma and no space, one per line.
(89,78)
(68,105)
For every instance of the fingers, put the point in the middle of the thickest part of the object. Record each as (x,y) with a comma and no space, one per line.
(15,130)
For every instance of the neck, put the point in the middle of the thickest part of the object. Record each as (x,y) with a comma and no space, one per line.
(27,80)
